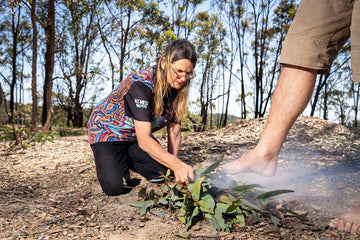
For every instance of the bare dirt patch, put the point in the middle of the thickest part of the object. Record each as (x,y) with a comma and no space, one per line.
(50,191)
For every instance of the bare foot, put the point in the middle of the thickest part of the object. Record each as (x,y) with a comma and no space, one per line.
(252,162)
(348,222)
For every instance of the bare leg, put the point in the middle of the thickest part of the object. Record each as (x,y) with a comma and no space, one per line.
(292,94)
(348,222)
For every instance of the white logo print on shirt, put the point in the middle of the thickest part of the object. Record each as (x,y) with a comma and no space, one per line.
(141,103)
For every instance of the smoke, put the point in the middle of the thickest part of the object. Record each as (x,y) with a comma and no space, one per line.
(321,181)
(284,178)
(293,170)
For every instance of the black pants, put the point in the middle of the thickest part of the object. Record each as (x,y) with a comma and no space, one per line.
(113,161)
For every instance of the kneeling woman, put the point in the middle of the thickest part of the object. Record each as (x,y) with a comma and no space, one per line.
(121,125)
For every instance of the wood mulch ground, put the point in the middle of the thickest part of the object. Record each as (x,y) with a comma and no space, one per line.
(50,191)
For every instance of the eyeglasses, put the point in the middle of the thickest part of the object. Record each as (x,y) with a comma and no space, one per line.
(180,74)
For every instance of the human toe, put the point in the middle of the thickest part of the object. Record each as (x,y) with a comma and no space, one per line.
(347,227)
(332,223)
(355,228)
(337,223)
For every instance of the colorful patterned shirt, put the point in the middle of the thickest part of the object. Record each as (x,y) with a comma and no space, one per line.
(113,118)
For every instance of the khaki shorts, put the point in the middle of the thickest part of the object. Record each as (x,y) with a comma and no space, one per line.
(319,30)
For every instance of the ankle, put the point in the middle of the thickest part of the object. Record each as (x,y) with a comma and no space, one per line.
(266,154)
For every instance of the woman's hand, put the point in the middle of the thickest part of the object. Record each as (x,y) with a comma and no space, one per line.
(183,173)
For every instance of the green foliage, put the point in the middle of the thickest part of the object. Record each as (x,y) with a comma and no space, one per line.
(61,131)
(223,208)
(21,137)
(43,136)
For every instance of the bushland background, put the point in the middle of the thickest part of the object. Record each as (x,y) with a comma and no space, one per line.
(59,58)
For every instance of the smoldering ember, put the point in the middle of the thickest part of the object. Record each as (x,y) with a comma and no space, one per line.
(50,190)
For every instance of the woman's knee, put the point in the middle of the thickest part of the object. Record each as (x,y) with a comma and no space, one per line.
(114,188)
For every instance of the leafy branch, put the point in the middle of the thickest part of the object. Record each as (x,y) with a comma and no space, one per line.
(223,208)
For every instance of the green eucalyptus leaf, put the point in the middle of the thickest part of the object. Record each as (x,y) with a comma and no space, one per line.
(165,188)
(251,204)
(204,206)
(25,145)
(242,188)
(182,219)
(144,206)
(182,212)
(252,218)
(232,208)
(263,202)
(159,214)
(300,217)
(226,199)
(188,225)
(168,172)
(190,220)
(222,206)
(142,192)
(233,198)
(163,201)
(179,187)
(195,212)
(212,167)
(214,224)
(136,204)
(190,187)
(219,218)
(275,220)
(273,193)
(196,189)
(241,219)
(255,186)
(152,194)
(183,235)
(199,171)
(174,194)
(209,202)
(178,204)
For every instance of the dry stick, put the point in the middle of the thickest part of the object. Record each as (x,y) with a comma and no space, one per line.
(80,197)
(12,192)
(207,237)
(11,153)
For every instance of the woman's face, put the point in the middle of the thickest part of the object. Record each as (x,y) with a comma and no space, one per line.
(180,72)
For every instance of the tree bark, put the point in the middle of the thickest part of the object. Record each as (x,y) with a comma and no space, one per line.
(322,83)
(15,32)
(49,67)
(356,104)
(34,111)
(78,114)
(1,95)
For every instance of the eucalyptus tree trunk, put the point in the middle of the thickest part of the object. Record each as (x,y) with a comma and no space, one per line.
(34,111)
(356,102)
(47,114)
(15,24)
(1,95)
(322,82)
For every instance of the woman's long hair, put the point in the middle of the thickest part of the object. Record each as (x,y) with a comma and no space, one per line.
(176,50)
